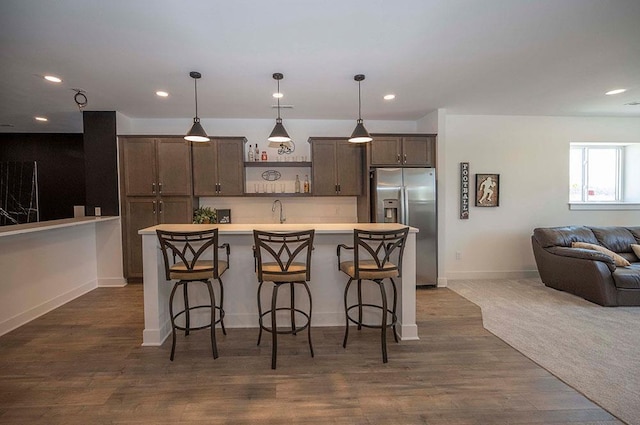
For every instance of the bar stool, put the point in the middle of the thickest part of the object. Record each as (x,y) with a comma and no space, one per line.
(373,253)
(186,266)
(283,258)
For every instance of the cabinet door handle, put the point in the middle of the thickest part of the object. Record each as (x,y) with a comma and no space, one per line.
(154,207)
(339,188)
(159,187)
(405,158)
(398,159)
(160,207)
(153,188)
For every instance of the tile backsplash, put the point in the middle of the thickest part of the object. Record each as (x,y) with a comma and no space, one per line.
(316,209)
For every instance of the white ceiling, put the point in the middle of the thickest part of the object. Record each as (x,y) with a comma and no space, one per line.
(515,57)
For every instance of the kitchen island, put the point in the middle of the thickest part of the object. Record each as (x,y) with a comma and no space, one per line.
(240,284)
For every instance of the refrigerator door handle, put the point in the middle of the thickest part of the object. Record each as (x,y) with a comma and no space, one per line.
(404,206)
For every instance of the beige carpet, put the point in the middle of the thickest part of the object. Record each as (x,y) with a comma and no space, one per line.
(594,349)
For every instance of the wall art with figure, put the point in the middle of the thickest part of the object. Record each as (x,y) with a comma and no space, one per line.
(487,190)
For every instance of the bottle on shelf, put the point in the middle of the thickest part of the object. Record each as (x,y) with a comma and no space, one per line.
(257,154)
(264,156)
(306,183)
(297,185)
(251,154)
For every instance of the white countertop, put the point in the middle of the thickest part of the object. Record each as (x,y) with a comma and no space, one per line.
(247,228)
(18,229)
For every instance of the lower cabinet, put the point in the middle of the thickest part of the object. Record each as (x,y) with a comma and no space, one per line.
(142,212)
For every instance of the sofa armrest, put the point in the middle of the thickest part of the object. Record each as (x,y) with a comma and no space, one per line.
(583,254)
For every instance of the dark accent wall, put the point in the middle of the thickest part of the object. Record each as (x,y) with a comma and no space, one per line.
(61,168)
(101,162)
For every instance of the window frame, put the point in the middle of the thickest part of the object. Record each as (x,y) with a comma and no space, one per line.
(619,203)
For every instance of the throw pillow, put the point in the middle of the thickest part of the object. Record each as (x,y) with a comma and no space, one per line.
(617,259)
(636,249)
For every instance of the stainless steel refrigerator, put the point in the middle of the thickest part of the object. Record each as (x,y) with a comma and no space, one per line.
(408,196)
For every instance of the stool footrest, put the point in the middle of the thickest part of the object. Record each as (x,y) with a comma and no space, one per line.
(207,326)
(289,331)
(394,318)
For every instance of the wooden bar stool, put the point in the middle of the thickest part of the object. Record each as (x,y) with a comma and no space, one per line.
(283,258)
(377,255)
(184,262)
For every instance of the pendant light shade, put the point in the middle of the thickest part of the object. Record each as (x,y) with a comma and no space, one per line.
(360,134)
(197,133)
(279,133)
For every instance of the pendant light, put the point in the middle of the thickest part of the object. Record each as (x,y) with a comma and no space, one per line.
(197,133)
(360,134)
(279,134)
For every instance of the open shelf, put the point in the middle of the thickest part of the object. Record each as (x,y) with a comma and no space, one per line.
(277,194)
(277,164)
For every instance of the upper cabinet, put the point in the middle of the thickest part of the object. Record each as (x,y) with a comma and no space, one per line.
(406,151)
(156,166)
(337,167)
(218,167)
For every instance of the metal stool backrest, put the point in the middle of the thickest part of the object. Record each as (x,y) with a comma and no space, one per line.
(382,247)
(188,248)
(283,249)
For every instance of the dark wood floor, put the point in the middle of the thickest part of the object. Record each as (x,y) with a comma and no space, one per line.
(83,364)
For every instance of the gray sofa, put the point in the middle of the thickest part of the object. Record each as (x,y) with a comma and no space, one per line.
(589,274)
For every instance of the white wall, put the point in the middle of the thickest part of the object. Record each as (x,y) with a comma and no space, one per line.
(531,154)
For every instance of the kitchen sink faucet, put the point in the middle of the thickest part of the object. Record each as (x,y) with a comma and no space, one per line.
(273,208)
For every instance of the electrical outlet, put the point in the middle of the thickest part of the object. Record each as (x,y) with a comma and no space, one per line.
(458,255)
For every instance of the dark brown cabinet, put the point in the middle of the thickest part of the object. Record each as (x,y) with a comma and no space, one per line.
(218,167)
(156,166)
(407,151)
(155,189)
(337,167)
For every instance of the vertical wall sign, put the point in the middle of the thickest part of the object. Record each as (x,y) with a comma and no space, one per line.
(464,190)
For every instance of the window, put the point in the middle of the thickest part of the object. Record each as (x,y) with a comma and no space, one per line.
(604,174)
(596,173)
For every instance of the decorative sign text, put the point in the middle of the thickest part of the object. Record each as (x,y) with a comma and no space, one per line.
(464,190)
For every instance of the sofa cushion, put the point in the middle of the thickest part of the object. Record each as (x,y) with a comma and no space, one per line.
(563,236)
(616,239)
(627,277)
(636,249)
(635,231)
(620,261)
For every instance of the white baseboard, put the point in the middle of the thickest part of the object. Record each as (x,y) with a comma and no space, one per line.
(514,274)
(37,311)
(112,282)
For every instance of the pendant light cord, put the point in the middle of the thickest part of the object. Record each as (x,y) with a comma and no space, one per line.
(195,83)
(278,99)
(359,103)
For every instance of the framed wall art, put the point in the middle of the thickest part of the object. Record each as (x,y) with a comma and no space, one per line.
(487,190)
(223,216)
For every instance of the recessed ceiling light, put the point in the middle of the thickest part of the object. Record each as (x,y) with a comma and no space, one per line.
(616,91)
(389,96)
(43,119)
(278,95)
(162,93)
(52,78)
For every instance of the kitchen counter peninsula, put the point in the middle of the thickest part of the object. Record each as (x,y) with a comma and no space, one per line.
(240,284)
(49,263)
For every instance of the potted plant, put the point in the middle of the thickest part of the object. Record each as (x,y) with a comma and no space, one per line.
(204,215)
